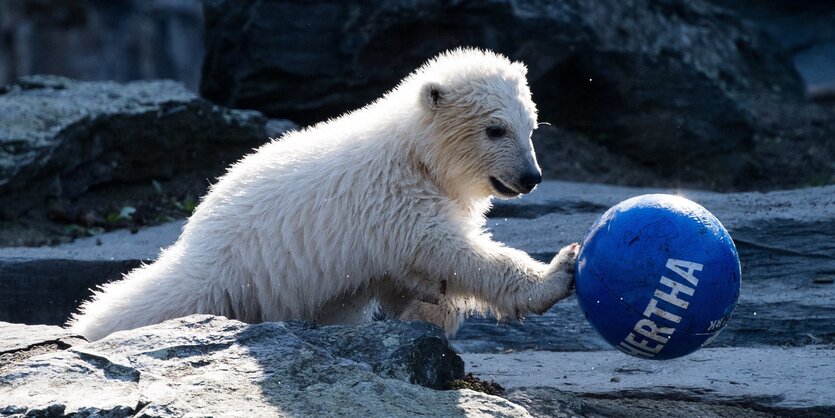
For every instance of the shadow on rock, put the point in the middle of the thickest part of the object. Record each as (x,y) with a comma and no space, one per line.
(212,366)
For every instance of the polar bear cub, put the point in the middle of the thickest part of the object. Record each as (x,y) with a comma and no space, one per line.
(381,208)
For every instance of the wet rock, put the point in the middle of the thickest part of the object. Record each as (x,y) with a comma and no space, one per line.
(682,89)
(713,382)
(59,137)
(211,365)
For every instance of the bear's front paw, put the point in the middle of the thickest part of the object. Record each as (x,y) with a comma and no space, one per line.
(566,258)
(559,283)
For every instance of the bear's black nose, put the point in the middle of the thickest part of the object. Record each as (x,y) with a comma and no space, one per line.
(529,180)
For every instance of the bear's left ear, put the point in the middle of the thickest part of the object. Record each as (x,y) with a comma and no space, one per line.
(432,95)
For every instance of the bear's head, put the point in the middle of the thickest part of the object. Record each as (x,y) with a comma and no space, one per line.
(480,116)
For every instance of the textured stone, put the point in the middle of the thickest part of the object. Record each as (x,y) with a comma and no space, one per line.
(549,402)
(417,354)
(59,137)
(19,342)
(204,365)
(745,382)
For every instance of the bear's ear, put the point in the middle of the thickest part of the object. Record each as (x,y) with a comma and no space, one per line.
(432,95)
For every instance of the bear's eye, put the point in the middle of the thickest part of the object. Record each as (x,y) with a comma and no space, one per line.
(495,131)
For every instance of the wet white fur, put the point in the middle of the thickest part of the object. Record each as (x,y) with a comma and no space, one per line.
(382,207)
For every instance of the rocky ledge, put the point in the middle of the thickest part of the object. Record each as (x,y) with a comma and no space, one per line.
(204,365)
(64,140)
(211,366)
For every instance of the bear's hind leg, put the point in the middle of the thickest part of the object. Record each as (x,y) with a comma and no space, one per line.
(447,313)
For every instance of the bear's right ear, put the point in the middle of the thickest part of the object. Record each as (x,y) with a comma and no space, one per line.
(433,95)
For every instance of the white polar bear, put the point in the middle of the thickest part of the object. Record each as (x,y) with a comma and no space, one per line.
(382,207)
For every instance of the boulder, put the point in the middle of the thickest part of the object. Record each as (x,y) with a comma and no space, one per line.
(205,365)
(683,89)
(19,342)
(59,138)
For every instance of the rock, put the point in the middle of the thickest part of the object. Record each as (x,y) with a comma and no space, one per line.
(804,31)
(748,382)
(567,155)
(418,354)
(91,40)
(205,365)
(547,402)
(59,138)
(682,89)
(19,342)
(16,337)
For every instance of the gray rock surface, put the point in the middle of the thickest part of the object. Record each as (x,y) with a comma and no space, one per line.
(59,137)
(17,337)
(773,380)
(210,366)
(19,342)
(682,89)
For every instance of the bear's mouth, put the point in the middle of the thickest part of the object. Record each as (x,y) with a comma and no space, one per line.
(501,188)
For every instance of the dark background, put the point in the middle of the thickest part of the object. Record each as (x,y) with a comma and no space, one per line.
(715,95)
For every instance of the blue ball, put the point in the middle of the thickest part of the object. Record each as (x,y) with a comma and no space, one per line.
(658,276)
